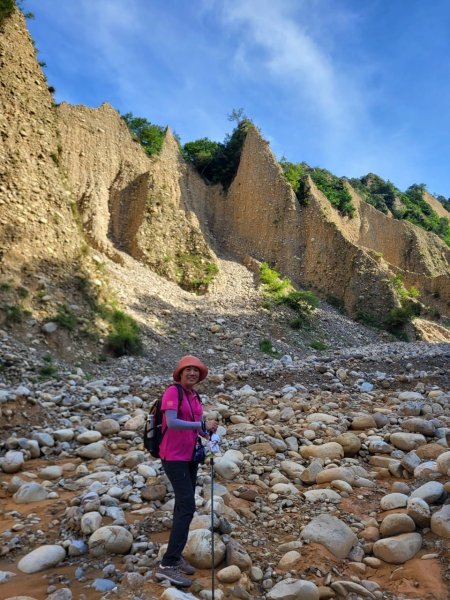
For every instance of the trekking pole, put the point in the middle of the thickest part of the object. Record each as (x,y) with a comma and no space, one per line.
(211,460)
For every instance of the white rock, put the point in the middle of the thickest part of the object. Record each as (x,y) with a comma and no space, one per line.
(89,437)
(294,589)
(321,494)
(108,427)
(336,473)
(430,491)
(136,423)
(92,451)
(112,539)
(64,435)
(391,501)
(42,558)
(12,461)
(51,472)
(90,522)
(292,468)
(321,417)
(175,594)
(30,492)
(419,511)
(226,468)
(198,549)
(234,456)
(286,489)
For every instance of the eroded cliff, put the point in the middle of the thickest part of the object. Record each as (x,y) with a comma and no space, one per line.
(37,224)
(351,260)
(130,202)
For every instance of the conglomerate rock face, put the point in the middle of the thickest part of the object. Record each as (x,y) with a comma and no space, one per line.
(130,202)
(36,222)
(348,259)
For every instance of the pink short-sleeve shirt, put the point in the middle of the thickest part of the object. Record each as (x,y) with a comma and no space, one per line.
(178,444)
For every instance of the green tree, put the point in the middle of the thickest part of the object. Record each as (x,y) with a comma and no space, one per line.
(150,136)
(6,8)
(218,162)
(201,154)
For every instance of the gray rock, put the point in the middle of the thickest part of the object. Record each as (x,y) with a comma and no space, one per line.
(419,426)
(108,427)
(391,501)
(430,491)
(407,441)
(92,451)
(198,549)
(410,461)
(12,462)
(112,539)
(30,492)
(443,463)
(419,511)
(237,555)
(397,550)
(49,327)
(332,533)
(294,589)
(440,522)
(395,524)
(42,558)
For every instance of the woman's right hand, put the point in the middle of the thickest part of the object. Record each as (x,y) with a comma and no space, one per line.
(211,425)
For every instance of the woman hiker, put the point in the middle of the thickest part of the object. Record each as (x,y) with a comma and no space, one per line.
(182,424)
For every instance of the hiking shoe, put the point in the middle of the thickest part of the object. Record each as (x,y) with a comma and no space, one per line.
(173,575)
(185,567)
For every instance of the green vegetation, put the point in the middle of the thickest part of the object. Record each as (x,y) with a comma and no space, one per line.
(318,345)
(150,136)
(409,307)
(7,7)
(65,317)
(218,162)
(410,205)
(280,290)
(444,201)
(123,332)
(332,187)
(194,273)
(14,313)
(399,316)
(265,346)
(124,337)
(48,369)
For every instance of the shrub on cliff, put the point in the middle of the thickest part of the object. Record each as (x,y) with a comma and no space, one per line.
(409,205)
(331,186)
(6,8)
(150,136)
(218,162)
(280,290)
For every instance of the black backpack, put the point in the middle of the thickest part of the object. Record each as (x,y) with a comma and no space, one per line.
(153,433)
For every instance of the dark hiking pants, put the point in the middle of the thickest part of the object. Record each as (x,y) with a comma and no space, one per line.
(183,477)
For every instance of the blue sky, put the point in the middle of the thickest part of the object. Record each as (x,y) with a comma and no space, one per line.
(354,86)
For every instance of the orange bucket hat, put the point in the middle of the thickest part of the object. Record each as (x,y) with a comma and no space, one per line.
(190,361)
